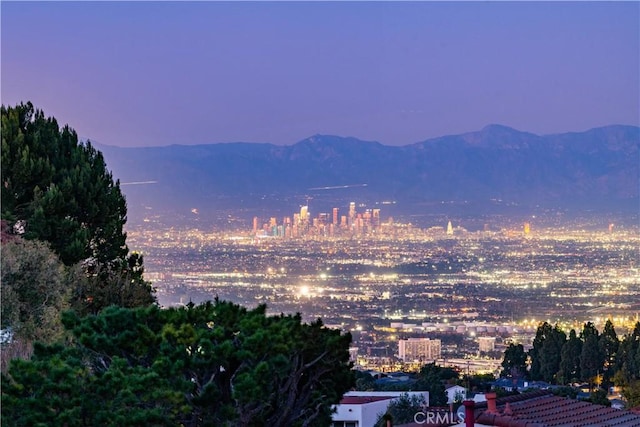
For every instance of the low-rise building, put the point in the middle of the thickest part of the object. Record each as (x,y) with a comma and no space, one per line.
(362,408)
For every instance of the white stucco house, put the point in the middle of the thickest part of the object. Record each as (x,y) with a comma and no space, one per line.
(362,408)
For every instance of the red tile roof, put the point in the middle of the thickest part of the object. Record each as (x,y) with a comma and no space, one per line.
(543,409)
(361,400)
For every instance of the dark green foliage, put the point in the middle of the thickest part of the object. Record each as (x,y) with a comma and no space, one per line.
(599,397)
(478,382)
(402,410)
(543,333)
(566,391)
(431,378)
(589,329)
(631,393)
(627,373)
(57,190)
(514,363)
(448,373)
(553,358)
(592,355)
(609,347)
(59,388)
(119,282)
(570,360)
(364,381)
(550,354)
(628,357)
(33,290)
(216,364)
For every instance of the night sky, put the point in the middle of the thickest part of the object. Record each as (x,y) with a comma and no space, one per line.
(159,73)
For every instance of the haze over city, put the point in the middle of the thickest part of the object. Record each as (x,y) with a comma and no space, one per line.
(160,73)
(294,213)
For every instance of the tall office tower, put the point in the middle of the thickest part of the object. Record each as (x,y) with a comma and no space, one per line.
(366,218)
(255,224)
(359,224)
(343,221)
(273,222)
(323,218)
(449,229)
(304,212)
(376,219)
(296,219)
(352,212)
(335,216)
(527,228)
(419,349)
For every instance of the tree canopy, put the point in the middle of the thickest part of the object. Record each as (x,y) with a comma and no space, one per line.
(514,363)
(402,410)
(215,364)
(58,190)
(570,359)
(432,378)
(597,358)
(34,290)
(592,357)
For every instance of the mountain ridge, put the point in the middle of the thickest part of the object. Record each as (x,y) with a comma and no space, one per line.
(599,166)
(322,136)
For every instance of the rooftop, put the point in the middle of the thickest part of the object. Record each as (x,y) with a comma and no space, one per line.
(361,400)
(543,409)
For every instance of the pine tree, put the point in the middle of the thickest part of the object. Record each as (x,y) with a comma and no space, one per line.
(550,354)
(570,359)
(514,363)
(592,356)
(628,357)
(213,364)
(57,190)
(609,345)
(535,353)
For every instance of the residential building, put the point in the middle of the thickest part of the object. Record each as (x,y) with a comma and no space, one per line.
(419,350)
(362,408)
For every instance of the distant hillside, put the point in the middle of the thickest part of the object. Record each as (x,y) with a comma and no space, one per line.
(596,169)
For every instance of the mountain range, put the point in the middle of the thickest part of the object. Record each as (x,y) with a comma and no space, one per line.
(496,166)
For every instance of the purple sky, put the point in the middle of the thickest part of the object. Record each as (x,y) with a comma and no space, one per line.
(159,73)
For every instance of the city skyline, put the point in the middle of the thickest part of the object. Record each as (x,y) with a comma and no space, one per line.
(160,73)
(470,292)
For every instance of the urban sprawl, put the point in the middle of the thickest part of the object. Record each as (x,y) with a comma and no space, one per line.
(408,295)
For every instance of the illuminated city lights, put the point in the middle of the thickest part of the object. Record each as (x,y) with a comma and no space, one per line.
(392,281)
